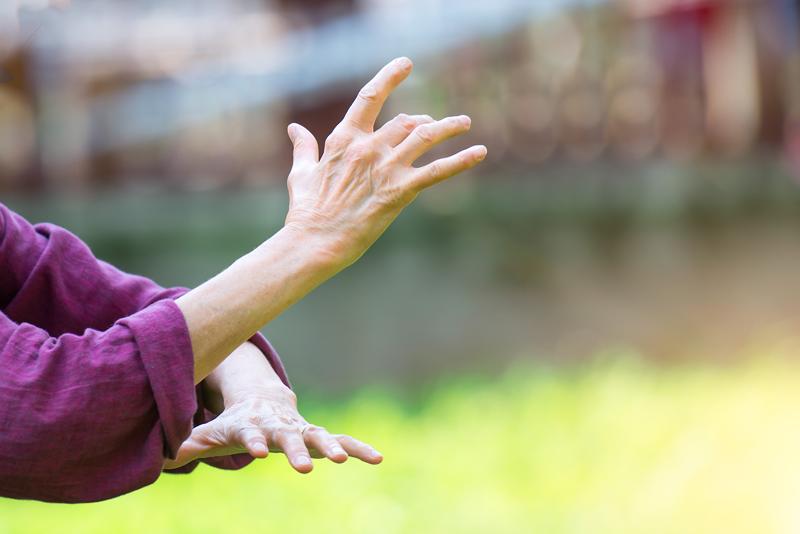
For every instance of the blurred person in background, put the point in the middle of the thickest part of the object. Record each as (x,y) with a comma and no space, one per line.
(106,379)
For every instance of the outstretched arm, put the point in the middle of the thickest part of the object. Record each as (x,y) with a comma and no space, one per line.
(340,203)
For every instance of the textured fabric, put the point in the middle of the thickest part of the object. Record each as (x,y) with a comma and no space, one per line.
(96,371)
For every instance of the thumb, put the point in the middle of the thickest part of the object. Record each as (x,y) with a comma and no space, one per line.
(306,148)
(196,446)
(205,442)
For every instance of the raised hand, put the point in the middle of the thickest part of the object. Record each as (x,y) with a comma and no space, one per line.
(340,203)
(365,177)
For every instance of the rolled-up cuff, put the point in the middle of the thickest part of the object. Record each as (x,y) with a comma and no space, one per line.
(165,348)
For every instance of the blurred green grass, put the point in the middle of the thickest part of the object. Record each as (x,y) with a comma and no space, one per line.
(613,446)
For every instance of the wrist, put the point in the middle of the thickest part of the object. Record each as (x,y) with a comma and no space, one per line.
(241,375)
(328,248)
(250,392)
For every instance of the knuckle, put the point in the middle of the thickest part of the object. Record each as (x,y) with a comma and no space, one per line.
(436,169)
(361,150)
(315,430)
(369,93)
(334,142)
(255,420)
(283,429)
(394,196)
(426,134)
(406,123)
(215,437)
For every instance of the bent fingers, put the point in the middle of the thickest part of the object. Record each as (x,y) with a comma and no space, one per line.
(319,440)
(399,128)
(292,445)
(427,136)
(444,168)
(359,449)
(368,104)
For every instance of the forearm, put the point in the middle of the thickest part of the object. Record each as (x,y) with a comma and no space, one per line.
(224,312)
(344,200)
(244,371)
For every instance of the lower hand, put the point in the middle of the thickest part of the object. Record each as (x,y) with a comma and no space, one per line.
(259,415)
(267,420)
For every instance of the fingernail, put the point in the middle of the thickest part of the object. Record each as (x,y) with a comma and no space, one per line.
(303,460)
(481,153)
(403,62)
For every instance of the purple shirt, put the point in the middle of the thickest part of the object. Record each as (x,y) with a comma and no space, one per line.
(96,371)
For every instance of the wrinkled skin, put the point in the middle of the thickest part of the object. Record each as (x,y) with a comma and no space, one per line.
(268,421)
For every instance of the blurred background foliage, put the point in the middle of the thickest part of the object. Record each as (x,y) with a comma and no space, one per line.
(594,332)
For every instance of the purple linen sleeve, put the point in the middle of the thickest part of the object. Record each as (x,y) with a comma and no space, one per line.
(44,263)
(53,281)
(89,417)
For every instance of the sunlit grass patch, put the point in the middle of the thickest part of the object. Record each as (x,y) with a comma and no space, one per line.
(614,446)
